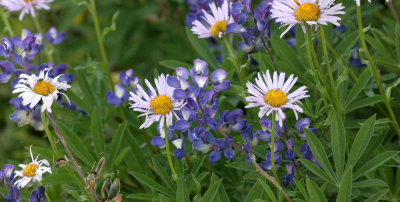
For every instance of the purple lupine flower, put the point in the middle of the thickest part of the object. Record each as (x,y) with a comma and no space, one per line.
(38,195)
(118,98)
(266,125)
(355,59)
(250,158)
(290,154)
(249,136)
(228,152)
(304,123)
(54,37)
(13,196)
(7,69)
(7,175)
(6,47)
(179,148)
(289,178)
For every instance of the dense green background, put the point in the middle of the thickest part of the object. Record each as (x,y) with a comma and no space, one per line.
(148,31)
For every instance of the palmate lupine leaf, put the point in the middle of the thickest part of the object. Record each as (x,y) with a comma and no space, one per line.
(96,129)
(338,144)
(345,186)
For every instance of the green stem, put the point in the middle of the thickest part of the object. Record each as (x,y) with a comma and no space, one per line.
(46,47)
(106,67)
(374,73)
(309,48)
(171,165)
(59,155)
(273,146)
(328,65)
(6,22)
(228,45)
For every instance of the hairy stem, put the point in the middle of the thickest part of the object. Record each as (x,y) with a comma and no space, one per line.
(374,73)
(171,165)
(233,57)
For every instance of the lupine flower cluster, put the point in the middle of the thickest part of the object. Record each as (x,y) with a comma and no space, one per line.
(28,175)
(129,82)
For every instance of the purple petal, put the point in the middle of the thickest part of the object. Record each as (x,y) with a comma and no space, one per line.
(179,94)
(112,99)
(158,141)
(233,28)
(182,125)
(218,75)
(182,72)
(173,82)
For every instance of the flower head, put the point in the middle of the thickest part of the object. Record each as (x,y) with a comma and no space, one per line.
(25,6)
(32,172)
(38,195)
(157,105)
(272,94)
(311,12)
(7,174)
(43,88)
(54,37)
(216,23)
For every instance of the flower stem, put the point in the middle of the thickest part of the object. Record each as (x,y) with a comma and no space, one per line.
(171,165)
(59,155)
(7,23)
(106,67)
(233,57)
(273,146)
(374,73)
(46,47)
(394,12)
(333,85)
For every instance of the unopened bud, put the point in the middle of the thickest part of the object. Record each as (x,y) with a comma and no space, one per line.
(91,182)
(61,162)
(100,167)
(106,188)
(114,190)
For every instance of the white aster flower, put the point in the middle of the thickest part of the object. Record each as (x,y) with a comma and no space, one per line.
(273,95)
(312,12)
(157,106)
(32,172)
(34,89)
(25,6)
(216,23)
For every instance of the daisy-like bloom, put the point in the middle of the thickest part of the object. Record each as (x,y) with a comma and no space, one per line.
(32,172)
(34,89)
(312,12)
(272,94)
(158,105)
(216,23)
(25,6)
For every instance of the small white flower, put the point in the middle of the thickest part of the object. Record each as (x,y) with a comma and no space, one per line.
(273,95)
(32,172)
(34,88)
(216,23)
(25,6)
(312,12)
(158,106)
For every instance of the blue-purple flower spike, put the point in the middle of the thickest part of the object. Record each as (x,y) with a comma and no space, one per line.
(54,37)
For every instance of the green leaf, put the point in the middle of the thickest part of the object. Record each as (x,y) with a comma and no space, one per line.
(141,196)
(96,129)
(200,45)
(255,191)
(87,91)
(152,184)
(377,196)
(374,163)
(314,191)
(58,178)
(162,172)
(302,190)
(345,187)
(316,170)
(222,195)
(364,102)
(173,64)
(241,166)
(338,143)
(267,190)
(115,145)
(358,86)
(78,148)
(113,25)
(318,151)
(182,192)
(122,155)
(369,183)
(361,142)
(211,192)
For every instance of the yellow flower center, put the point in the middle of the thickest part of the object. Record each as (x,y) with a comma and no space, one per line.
(220,26)
(44,88)
(28,1)
(30,170)
(307,12)
(161,105)
(275,98)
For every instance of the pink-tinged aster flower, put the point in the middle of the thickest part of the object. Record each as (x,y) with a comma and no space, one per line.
(272,94)
(215,23)
(25,6)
